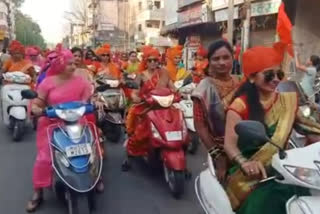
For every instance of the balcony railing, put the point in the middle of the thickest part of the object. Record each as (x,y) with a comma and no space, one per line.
(154,14)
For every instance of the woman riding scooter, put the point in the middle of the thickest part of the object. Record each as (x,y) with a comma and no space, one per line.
(17,61)
(33,53)
(151,77)
(258,100)
(211,98)
(60,85)
(108,68)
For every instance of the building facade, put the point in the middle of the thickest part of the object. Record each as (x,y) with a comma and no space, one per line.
(192,24)
(106,21)
(146,18)
(263,19)
(7,22)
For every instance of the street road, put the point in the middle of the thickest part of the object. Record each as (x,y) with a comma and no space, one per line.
(134,192)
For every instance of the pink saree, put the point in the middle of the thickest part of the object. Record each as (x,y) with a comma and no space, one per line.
(75,89)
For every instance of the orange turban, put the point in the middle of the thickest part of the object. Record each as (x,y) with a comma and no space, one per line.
(16,47)
(259,58)
(147,51)
(202,51)
(174,52)
(105,49)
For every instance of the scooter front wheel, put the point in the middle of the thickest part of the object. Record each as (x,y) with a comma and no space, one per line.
(17,131)
(78,203)
(175,180)
(194,144)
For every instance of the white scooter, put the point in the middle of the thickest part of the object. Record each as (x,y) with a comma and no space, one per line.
(185,88)
(298,166)
(14,106)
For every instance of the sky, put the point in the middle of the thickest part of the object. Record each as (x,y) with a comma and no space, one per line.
(49,14)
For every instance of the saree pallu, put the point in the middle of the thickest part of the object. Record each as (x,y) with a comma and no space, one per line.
(245,195)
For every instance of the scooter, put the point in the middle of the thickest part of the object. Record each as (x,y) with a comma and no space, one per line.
(185,88)
(298,166)
(14,107)
(167,136)
(111,120)
(75,153)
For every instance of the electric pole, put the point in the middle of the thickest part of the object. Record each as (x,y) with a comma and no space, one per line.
(246,26)
(230,20)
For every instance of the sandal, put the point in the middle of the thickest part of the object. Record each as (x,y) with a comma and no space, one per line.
(126,166)
(34,203)
(100,187)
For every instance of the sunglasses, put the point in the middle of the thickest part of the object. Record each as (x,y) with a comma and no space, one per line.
(270,75)
(152,60)
(105,55)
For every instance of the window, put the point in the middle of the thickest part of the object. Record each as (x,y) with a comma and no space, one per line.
(140,5)
(139,27)
(157,4)
(153,24)
(2,15)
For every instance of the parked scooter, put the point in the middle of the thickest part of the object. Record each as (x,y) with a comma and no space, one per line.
(14,107)
(167,136)
(111,120)
(298,166)
(75,152)
(185,88)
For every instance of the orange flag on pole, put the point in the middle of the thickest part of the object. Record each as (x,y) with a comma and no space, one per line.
(284,28)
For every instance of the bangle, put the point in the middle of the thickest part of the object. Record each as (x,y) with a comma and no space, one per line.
(239,159)
(215,152)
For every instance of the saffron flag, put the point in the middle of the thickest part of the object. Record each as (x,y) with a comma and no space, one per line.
(284,28)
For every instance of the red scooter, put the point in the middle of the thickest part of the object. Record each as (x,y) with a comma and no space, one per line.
(168,138)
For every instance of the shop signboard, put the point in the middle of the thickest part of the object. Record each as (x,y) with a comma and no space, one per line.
(221,4)
(265,8)
(223,15)
(183,3)
(191,47)
(190,16)
(257,9)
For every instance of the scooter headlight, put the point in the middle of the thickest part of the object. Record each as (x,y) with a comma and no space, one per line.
(164,101)
(155,132)
(62,159)
(306,111)
(308,176)
(71,115)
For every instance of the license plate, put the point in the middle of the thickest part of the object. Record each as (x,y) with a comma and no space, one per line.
(174,136)
(78,150)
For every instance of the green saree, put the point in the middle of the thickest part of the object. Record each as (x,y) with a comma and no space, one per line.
(246,195)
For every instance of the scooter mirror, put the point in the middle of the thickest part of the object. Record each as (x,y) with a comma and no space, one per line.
(29,94)
(252,130)
(132,85)
(187,80)
(102,88)
(100,82)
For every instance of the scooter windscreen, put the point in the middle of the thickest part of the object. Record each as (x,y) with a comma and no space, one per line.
(70,112)
(76,158)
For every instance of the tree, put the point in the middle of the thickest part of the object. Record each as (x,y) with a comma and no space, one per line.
(27,31)
(79,12)
(18,3)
